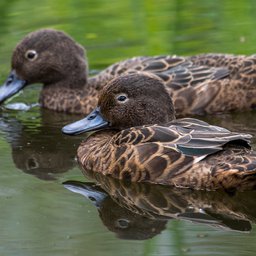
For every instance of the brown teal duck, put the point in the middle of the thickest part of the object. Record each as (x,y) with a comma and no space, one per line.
(143,142)
(206,83)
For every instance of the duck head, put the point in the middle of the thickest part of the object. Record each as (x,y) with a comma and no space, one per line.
(45,56)
(128,101)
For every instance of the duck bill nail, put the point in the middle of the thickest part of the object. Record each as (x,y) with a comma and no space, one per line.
(93,122)
(11,86)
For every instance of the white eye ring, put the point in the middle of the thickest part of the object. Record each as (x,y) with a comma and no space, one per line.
(122,98)
(31,55)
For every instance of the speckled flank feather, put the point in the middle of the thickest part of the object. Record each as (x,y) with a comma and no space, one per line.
(206,83)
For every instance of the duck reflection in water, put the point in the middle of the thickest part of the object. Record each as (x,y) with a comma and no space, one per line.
(141,211)
(125,222)
(38,147)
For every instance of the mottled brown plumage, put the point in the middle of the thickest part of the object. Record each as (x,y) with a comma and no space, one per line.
(184,152)
(206,83)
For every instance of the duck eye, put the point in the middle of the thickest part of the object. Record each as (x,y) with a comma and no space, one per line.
(122,98)
(122,223)
(32,163)
(31,55)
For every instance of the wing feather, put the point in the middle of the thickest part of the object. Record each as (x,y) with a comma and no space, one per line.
(189,136)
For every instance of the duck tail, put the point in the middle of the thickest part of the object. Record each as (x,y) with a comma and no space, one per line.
(238,170)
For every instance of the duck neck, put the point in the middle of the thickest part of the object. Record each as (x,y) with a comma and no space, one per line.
(100,80)
(78,98)
(75,93)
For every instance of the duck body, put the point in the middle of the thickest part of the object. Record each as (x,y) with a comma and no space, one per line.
(202,84)
(185,153)
(206,83)
(141,141)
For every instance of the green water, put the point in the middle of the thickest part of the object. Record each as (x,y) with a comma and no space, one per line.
(38,215)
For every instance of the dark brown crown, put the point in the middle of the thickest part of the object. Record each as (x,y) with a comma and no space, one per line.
(147,101)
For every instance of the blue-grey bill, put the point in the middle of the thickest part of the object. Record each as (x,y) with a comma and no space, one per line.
(93,122)
(11,86)
(87,189)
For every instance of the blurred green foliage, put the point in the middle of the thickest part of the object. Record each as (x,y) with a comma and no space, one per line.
(114,30)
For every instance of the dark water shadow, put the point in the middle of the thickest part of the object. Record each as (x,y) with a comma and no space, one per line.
(141,211)
(38,146)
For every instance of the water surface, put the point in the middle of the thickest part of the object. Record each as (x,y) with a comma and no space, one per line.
(39,216)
